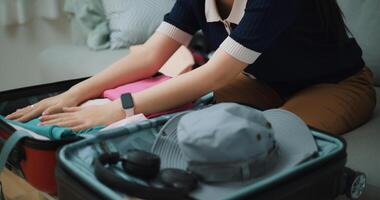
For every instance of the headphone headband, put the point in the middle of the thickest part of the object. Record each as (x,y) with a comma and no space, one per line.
(110,179)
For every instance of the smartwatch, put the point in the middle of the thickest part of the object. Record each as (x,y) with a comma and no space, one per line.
(127,103)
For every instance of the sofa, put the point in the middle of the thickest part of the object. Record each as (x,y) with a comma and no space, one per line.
(363,20)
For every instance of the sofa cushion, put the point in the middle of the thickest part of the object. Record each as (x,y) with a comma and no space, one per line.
(363,150)
(89,22)
(363,20)
(67,62)
(132,22)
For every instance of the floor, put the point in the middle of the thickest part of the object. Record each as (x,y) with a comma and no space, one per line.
(15,188)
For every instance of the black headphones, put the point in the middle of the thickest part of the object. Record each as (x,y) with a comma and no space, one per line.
(168,183)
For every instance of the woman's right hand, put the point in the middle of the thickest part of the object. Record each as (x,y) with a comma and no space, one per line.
(49,105)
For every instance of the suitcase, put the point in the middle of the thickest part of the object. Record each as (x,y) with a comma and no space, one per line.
(34,159)
(322,177)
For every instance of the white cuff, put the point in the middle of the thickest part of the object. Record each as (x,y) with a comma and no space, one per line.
(175,33)
(239,51)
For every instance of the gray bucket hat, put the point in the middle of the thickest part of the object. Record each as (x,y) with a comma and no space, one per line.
(229,146)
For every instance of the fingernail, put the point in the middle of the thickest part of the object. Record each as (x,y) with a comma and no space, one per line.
(44,113)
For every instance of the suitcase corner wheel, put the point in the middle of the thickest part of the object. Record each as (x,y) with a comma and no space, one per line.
(355,183)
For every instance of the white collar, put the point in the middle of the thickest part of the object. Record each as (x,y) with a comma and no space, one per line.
(236,14)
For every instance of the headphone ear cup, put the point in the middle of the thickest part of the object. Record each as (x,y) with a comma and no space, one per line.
(177,179)
(141,164)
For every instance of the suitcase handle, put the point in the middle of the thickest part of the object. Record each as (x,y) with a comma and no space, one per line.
(8,146)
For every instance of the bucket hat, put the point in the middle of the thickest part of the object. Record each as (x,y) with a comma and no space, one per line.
(228,146)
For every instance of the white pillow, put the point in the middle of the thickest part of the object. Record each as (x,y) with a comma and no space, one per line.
(133,21)
(363,20)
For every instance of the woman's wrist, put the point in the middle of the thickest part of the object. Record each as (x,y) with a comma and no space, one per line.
(74,95)
(118,109)
(80,93)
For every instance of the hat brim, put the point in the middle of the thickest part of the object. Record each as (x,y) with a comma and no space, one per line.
(293,137)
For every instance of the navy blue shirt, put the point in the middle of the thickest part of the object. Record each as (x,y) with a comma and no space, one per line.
(291,47)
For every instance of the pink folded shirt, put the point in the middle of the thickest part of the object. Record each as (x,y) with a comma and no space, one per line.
(137,86)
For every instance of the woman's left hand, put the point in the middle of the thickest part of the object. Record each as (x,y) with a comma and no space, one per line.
(78,118)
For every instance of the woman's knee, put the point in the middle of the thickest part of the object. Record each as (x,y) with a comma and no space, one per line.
(329,120)
(334,108)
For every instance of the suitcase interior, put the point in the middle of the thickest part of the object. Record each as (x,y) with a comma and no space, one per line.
(318,178)
(32,159)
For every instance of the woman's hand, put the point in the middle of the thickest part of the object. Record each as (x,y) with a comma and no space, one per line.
(47,106)
(77,118)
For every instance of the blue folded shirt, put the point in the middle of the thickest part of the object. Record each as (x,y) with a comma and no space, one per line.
(53,132)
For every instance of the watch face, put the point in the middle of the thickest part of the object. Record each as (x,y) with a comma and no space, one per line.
(127,101)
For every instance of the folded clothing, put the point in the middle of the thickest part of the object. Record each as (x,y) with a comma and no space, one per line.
(52,132)
(57,132)
(137,86)
(141,85)
(180,62)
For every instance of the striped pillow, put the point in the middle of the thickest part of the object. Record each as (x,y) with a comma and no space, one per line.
(133,21)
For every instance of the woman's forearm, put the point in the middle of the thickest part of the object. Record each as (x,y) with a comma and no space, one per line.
(141,63)
(190,86)
(172,93)
(128,69)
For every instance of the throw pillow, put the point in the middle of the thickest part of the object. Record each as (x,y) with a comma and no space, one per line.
(134,21)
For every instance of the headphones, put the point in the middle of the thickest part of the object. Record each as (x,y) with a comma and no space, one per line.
(168,183)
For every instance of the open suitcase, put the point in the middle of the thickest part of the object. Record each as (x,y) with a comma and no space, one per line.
(323,177)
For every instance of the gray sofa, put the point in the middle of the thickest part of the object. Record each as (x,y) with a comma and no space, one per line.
(363,144)
(67,61)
